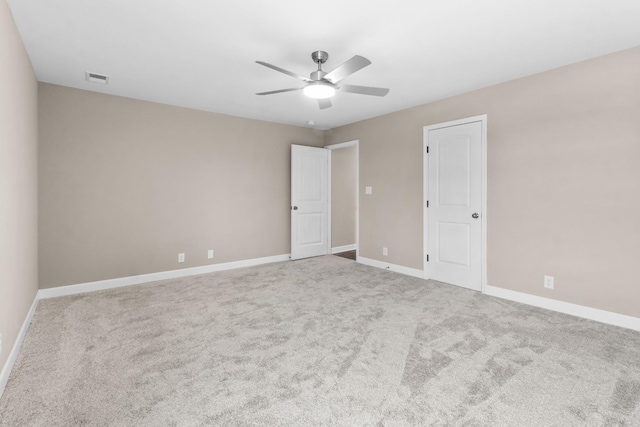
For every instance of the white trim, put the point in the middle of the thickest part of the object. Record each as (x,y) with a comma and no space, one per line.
(357,197)
(329,207)
(414,272)
(485,212)
(345,248)
(11,360)
(152,277)
(348,144)
(425,191)
(425,198)
(354,143)
(116,283)
(595,314)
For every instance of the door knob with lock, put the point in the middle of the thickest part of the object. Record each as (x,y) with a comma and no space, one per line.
(295,208)
(475,216)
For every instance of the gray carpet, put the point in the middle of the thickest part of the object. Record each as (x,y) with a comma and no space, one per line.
(317,342)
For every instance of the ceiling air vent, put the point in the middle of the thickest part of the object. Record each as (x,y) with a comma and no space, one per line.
(96,78)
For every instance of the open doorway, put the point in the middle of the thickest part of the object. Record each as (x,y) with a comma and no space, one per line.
(343,199)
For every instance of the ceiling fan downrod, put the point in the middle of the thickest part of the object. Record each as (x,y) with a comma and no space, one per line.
(319,57)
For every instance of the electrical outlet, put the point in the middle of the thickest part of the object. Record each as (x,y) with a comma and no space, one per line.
(385,251)
(548,282)
(181,257)
(210,253)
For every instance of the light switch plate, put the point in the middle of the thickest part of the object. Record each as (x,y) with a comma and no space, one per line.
(368,189)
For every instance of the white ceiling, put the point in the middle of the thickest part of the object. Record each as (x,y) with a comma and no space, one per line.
(201,53)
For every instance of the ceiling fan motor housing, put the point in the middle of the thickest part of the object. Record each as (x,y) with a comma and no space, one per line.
(320,56)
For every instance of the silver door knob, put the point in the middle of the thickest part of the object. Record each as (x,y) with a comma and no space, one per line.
(475,216)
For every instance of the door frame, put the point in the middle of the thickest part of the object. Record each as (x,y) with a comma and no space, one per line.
(354,143)
(483,194)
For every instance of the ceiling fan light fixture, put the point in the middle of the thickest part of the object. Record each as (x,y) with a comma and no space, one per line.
(319,90)
(321,85)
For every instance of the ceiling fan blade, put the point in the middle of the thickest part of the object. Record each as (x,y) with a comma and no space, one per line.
(282,70)
(324,103)
(279,91)
(364,90)
(347,68)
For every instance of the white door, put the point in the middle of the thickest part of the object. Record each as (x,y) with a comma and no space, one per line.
(309,201)
(454,226)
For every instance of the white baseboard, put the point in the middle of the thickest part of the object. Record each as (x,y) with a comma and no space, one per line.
(391,267)
(116,283)
(602,316)
(346,248)
(595,314)
(152,277)
(11,360)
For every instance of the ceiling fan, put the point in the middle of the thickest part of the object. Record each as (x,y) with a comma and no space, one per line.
(322,85)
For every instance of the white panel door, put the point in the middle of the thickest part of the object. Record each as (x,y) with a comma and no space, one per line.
(455,203)
(309,201)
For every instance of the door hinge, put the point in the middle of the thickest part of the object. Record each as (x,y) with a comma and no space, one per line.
(427,149)
(427,258)
(427,203)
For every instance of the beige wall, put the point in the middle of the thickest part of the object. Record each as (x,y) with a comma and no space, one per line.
(18,183)
(563,181)
(343,196)
(125,185)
